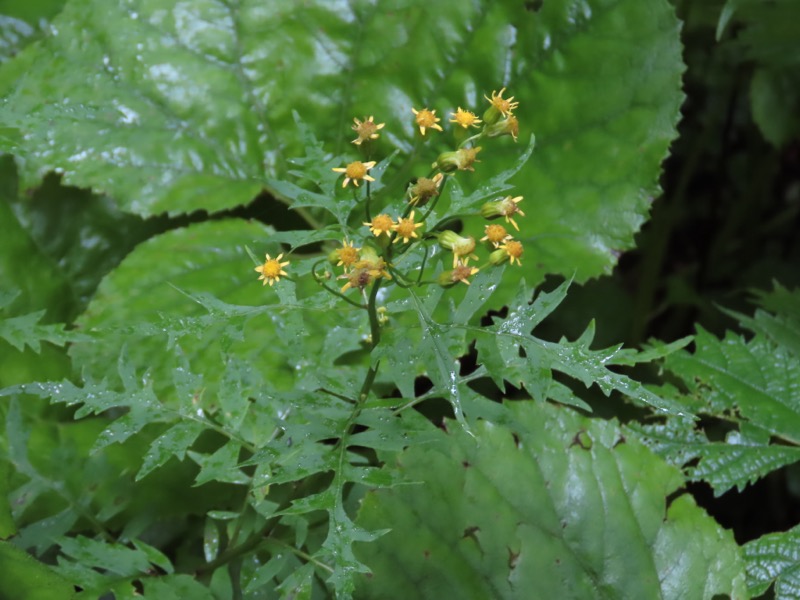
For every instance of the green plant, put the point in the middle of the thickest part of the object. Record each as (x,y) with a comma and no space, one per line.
(206,436)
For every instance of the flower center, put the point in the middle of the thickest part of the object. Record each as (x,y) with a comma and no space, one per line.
(356,170)
(514,248)
(461,273)
(426,118)
(348,255)
(405,228)
(382,223)
(272,268)
(496,233)
(465,118)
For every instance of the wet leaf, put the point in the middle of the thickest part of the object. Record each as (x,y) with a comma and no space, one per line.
(553,506)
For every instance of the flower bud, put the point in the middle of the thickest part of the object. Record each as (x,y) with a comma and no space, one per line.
(498,257)
(492,115)
(460,160)
(462,247)
(425,189)
(507,207)
(450,240)
(508,126)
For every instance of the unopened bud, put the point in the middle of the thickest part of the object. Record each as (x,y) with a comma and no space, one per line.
(460,160)
(508,126)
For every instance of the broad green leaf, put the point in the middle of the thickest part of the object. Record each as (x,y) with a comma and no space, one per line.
(26,270)
(189,301)
(774,558)
(82,235)
(210,540)
(171,108)
(554,506)
(209,258)
(775,99)
(25,577)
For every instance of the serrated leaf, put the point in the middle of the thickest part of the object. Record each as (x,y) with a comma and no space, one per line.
(736,462)
(26,331)
(496,186)
(755,378)
(154,556)
(581,511)
(109,557)
(222,465)
(510,351)
(774,558)
(780,322)
(173,442)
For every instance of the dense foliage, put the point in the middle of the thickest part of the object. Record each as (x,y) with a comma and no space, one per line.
(295,296)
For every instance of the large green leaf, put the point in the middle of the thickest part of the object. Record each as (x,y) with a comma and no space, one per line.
(26,578)
(175,107)
(554,506)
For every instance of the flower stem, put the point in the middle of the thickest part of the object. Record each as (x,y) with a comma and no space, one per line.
(321,282)
(367,203)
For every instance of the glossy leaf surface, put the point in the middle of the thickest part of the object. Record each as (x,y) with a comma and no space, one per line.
(171,108)
(554,506)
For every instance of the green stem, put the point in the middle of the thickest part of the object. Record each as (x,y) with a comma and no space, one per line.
(235,552)
(321,282)
(367,203)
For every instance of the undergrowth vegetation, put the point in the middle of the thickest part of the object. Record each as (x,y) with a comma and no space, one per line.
(297,301)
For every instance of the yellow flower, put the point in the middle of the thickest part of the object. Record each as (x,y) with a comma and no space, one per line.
(514,250)
(465,118)
(366,130)
(355,172)
(365,271)
(380,224)
(406,228)
(272,269)
(426,119)
(496,235)
(461,272)
(348,254)
(504,106)
(425,189)
(359,278)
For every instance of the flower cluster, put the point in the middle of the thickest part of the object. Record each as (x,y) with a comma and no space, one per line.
(503,245)
(396,230)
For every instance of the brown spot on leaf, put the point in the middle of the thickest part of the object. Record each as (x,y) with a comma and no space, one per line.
(513,558)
